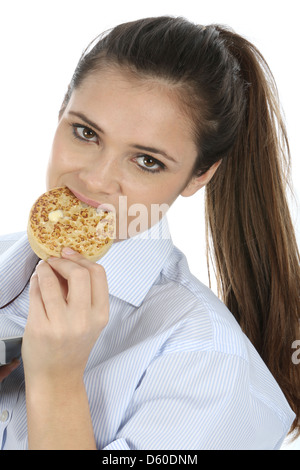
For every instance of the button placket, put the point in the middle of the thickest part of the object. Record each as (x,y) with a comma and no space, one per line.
(4,416)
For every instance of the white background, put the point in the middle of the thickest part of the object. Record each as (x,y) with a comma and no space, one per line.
(41,42)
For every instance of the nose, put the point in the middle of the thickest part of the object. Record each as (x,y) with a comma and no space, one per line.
(102,175)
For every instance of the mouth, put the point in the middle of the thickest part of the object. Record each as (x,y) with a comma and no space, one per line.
(86,200)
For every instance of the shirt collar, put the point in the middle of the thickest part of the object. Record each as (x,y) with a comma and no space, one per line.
(17,264)
(131,265)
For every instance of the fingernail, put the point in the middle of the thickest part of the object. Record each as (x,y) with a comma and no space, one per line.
(14,365)
(68,251)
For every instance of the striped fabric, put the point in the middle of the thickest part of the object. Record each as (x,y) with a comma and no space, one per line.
(171,370)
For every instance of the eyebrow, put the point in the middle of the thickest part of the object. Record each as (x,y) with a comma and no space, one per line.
(86,120)
(154,150)
(138,147)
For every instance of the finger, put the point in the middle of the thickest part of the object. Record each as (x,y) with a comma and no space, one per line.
(78,280)
(8,369)
(36,304)
(50,290)
(99,287)
(4,372)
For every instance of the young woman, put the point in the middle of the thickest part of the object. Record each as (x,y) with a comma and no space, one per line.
(133,352)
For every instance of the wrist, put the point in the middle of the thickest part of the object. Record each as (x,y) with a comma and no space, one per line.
(53,379)
(58,415)
(53,389)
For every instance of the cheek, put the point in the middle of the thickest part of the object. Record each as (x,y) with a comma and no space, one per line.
(60,155)
(146,205)
(62,160)
(152,195)
(165,192)
(58,164)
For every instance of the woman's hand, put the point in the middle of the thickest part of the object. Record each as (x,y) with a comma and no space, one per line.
(68,309)
(6,370)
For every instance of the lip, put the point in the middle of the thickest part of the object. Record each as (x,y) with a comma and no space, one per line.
(86,200)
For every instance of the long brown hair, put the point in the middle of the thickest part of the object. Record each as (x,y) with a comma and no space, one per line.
(229,92)
(252,238)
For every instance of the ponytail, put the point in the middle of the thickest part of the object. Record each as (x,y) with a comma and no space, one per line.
(252,239)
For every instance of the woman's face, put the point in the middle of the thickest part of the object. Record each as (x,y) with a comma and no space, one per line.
(125,142)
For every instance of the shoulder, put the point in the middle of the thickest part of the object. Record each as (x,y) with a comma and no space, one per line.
(205,340)
(7,240)
(12,237)
(196,310)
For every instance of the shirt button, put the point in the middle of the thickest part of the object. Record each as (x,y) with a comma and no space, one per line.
(4,416)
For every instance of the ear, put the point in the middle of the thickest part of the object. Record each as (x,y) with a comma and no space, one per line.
(197,182)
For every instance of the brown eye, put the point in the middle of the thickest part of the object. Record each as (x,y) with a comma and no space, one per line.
(148,163)
(84,133)
(88,133)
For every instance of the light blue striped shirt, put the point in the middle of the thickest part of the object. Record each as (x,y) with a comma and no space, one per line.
(171,370)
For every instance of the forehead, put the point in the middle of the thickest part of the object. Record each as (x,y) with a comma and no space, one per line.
(129,104)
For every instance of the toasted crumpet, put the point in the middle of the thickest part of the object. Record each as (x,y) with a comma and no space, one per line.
(58,219)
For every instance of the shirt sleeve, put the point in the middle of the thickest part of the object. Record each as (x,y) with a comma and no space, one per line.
(6,241)
(118,444)
(201,400)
